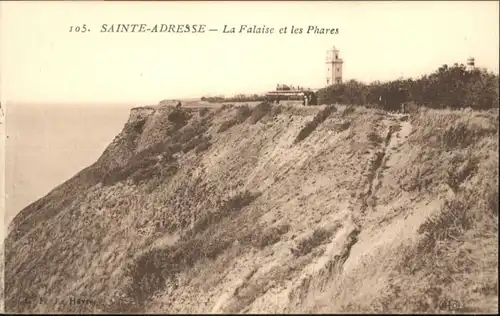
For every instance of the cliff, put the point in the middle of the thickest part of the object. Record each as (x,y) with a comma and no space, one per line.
(269,209)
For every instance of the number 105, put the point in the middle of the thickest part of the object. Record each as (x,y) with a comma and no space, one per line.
(80,29)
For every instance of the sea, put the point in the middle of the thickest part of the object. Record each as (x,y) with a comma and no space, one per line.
(46,145)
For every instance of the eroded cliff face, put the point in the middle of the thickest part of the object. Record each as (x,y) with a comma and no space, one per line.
(269,209)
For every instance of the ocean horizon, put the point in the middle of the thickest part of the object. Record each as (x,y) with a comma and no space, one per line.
(46,145)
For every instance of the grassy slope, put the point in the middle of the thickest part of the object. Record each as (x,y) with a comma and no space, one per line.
(239,210)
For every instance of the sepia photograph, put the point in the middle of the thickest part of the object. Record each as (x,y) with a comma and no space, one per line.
(249,157)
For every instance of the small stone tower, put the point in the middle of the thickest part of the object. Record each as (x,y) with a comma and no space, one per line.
(471,64)
(333,67)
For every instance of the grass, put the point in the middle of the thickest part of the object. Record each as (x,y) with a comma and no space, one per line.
(203,145)
(266,237)
(143,168)
(204,111)
(455,257)
(157,160)
(375,138)
(342,126)
(348,110)
(151,270)
(242,113)
(233,204)
(203,141)
(259,111)
(320,117)
(319,237)
(452,129)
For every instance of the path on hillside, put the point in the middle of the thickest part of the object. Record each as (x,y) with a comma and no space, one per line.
(398,129)
(332,265)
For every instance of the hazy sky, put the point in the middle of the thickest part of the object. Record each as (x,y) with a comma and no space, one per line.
(41,61)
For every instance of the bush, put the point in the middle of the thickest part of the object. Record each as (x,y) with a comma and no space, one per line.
(318,119)
(227,125)
(242,113)
(236,98)
(202,141)
(123,173)
(204,112)
(451,222)
(448,87)
(270,236)
(319,237)
(204,145)
(453,130)
(232,205)
(342,126)
(375,138)
(137,126)
(276,110)
(259,112)
(152,270)
(179,117)
(348,110)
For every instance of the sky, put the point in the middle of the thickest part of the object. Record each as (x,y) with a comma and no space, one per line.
(41,61)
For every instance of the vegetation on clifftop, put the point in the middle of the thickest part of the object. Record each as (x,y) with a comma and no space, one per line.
(448,87)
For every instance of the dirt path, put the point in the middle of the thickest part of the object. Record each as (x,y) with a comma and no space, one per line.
(398,129)
(398,133)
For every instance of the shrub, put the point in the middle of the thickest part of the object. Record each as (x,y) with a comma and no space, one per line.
(204,145)
(460,135)
(239,201)
(461,171)
(340,127)
(260,111)
(451,222)
(179,117)
(195,143)
(147,275)
(227,106)
(123,173)
(242,113)
(227,125)
(146,164)
(232,205)
(270,236)
(276,110)
(145,174)
(348,110)
(375,138)
(236,98)
(137,126)
(204,112)
(448,87)
(190,132)
(152,270)
(452,131)
(319,237)
(318,119)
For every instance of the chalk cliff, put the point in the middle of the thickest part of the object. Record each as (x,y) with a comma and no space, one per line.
(269,209)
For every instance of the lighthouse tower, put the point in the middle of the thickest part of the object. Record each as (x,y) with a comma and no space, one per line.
(333,67)
(471,63)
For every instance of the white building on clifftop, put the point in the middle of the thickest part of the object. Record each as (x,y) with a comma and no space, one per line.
(333,67)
